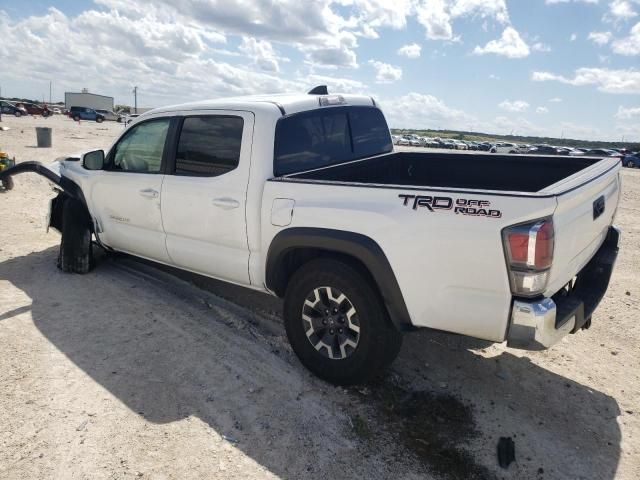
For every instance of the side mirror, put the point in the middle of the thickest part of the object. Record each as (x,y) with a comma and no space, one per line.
(93,160)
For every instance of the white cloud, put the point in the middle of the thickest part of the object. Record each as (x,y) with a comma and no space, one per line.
(434,16)
(514,106)
(629,45)
(573,37)
(437,16)
(551,2)
(417,110)
(386,73)
(493,77)
(542,110)
(606,80)
(625,113)
(262,53)
(601,38)
(171,62)
(412,50)
(540,47)
(555,100)
(509,45)
(620,10)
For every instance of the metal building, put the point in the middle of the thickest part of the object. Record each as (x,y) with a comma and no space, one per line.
(86,99)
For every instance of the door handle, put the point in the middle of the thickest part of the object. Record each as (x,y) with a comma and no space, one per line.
(149,193)
(226,203)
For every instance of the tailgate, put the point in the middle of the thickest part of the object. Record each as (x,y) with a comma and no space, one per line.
(586,206)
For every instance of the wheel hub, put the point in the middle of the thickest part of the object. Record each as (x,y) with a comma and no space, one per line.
(331,323)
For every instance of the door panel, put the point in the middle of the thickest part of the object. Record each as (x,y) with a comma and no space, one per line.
(126,196)
(203,202)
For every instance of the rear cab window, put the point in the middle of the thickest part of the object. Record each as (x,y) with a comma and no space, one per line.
(328,136)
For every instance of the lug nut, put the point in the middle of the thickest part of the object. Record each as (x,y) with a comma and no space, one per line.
(332,331)
(340,330)
(324,322)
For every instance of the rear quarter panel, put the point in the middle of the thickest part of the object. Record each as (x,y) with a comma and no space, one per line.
(450,267)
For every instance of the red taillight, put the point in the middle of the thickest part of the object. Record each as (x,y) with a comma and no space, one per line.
(530,245)
(544,246)
(518,246)
(529,251)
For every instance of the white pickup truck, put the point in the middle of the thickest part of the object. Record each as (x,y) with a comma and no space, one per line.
(303,197)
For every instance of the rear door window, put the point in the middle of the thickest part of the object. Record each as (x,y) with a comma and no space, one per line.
(209,146)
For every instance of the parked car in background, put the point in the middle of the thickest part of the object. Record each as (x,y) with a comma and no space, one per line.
(604,152)
(572,151)
(128,118)
(394,138)
(33,109)
(57,111)
(403,141)
(485,146)
(9,108)
(85,113)
(545,150)
(631,160)
(623,151)
(503,147)
(108,114)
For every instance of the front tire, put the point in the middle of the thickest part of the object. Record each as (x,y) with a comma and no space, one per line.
(7,183)
(76,255)
(337,323)
(17,113)
(99,119)
(630,164)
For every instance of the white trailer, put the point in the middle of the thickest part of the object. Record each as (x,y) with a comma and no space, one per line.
(89,100)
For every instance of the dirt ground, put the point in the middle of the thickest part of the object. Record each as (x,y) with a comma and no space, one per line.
(138,372)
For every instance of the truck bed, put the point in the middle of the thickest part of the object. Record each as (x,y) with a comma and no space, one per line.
(521,173)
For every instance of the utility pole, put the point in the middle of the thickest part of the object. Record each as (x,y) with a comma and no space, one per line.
(135,99)
(2,103)
(50,86)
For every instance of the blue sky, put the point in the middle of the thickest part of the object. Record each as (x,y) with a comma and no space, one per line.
(542,67)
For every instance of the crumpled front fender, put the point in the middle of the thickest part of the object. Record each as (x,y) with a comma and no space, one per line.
(35,167)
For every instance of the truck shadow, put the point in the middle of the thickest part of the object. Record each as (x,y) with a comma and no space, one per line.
(167,361)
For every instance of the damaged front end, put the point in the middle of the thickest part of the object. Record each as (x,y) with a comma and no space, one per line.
(66,188)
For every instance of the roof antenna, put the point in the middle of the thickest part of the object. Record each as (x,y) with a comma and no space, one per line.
(319,90)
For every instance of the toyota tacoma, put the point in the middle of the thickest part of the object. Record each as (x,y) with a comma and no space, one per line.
(303,196)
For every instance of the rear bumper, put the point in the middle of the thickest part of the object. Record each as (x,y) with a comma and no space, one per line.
(538,324)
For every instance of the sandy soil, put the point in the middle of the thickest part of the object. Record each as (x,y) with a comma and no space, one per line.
(138,372)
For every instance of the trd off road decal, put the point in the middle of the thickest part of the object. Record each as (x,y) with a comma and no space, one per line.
(464,206)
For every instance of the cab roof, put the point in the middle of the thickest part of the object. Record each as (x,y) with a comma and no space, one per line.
(286,103)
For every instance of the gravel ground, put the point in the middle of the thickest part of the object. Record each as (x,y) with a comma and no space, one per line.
(139,372)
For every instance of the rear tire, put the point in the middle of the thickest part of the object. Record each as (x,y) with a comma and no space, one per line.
(99,119)
(630,164)
(76,255)
(377,341)
(76,118)
(17,114)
